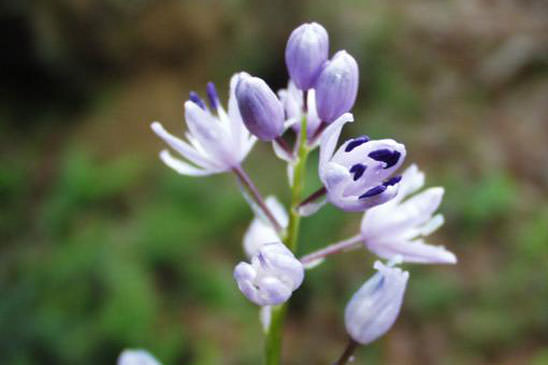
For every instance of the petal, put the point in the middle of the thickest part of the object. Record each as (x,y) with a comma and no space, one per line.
(411,181)
(330,137)
(136,357)
(182,147)
(277,210)
(184,168)
(416,251)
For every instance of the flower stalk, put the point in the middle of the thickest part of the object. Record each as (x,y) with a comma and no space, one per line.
(273,342)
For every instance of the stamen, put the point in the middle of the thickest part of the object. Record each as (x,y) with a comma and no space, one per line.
(212,95)
(392,181)
(358,170)
(355,143)
(374,191)
(385,155)
(195,98)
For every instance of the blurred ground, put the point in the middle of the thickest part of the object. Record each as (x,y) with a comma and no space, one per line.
(105,248)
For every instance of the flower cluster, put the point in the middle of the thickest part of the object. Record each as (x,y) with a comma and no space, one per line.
(357,175)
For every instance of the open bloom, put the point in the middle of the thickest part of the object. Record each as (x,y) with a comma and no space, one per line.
(136,357)
(396,228)
(374,308)
(217,141)
(292,100)
(272,276)
(260,231)
(357,176)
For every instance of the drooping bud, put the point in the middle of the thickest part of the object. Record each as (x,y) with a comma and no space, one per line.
(337,87)
(136,357)
(374,308)
(261,111)
(306,51)
(272,276)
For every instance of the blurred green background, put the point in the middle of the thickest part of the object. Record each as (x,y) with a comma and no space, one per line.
(103,247)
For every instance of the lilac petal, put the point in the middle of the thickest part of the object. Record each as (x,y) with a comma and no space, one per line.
(416,251)
(182,147)
(182,167)
(330,137)
(136,357)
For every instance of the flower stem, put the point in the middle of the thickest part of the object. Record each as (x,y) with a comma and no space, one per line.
(331,249)
(256,196)
(348,352)
(273,344)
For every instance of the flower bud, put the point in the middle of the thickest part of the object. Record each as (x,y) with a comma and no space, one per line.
(375,306)
(307,49)
(261,111)
(136,357)
(272,276)
(337,87)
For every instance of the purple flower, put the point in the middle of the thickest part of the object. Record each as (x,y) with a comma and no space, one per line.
(261,111)
(306,51)
(358,175)
(374,308)
(395,228)
(337,87)
(136,357)
(272,276)
(217,141)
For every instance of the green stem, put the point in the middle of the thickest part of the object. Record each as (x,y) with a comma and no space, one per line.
(273,344)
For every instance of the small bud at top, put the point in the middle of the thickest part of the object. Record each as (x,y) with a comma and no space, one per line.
(261,111)
(337,87)
(307,49)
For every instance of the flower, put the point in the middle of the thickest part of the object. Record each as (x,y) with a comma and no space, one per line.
(262,112)
(395,228)
(374,308)
(306,51)
(337,87)
(357,175)
(218,141)
(272,276)
(260,231)
(136,357)
(292,100)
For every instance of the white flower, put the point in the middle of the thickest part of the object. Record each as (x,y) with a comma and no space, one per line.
(260,231)
(217,141)
(374,308)
(292,100)
(397,227)
(272,276)
(136,357)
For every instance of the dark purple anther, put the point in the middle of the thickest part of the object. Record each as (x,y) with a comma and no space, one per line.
(358,170)
(392,181)
(385,155)
(355,143)
(212,95)
(374,191)
(195,98)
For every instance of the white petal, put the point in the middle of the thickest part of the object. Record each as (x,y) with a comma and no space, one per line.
(281,153)
(136,357)
(416,251)
(182,167)
(330,137)
(182,147)
(311,208)
(412,180)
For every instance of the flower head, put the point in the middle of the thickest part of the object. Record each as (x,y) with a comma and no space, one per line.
(357,175)
(272,276)
(337,86)
(396,228)
(292,100)
(262,112)
(136,357)
(259,231)
(307,49)
(374,308)
(217,141)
